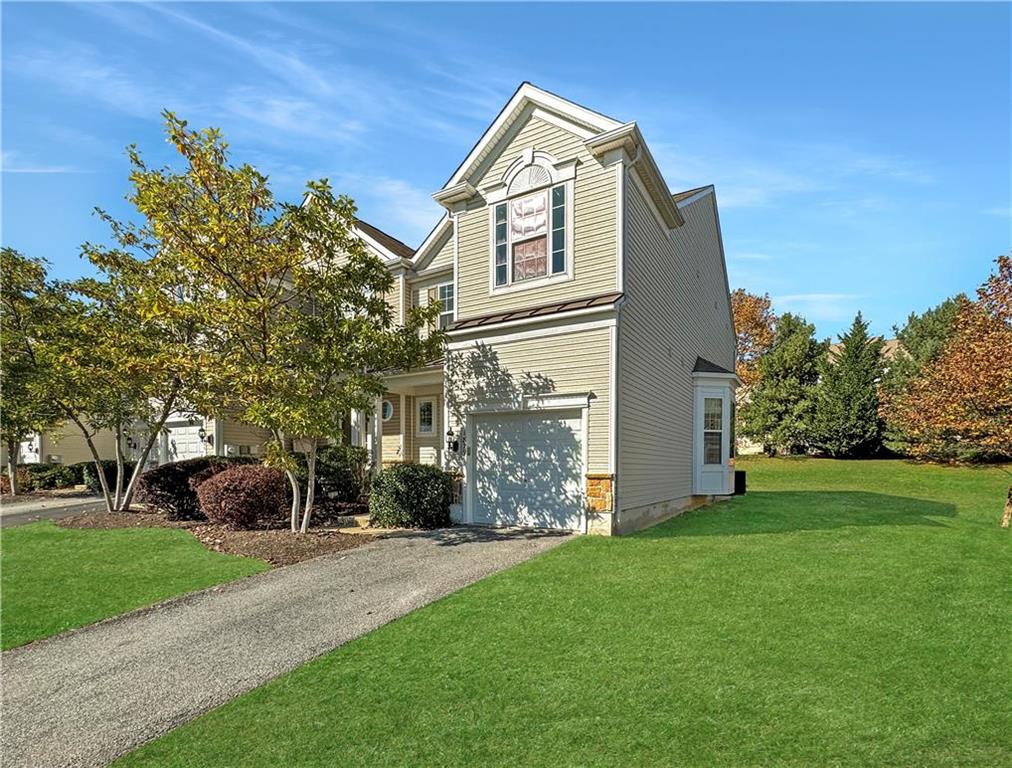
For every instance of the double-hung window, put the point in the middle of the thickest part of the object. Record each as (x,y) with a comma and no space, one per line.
(713,430)
(446,298)
(530,236)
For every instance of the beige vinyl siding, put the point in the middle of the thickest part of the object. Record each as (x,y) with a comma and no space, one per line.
(69,444)
(394,298)
(236,433)
(426,448)
(594,229)
(569,363)
(444,252)
(669,317)
(390,440)
(419,289)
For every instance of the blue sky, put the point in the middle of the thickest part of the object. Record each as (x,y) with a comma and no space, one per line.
(861,153)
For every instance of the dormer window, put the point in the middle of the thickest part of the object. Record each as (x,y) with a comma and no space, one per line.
(530,236)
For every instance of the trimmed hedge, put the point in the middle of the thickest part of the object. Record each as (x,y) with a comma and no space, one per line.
(411,496)
(244,497)
(89,475)
(45,477)
(172,488)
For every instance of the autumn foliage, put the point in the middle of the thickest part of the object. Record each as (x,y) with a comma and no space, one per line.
(754,323)
(960,407)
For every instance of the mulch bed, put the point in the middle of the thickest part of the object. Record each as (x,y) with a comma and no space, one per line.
(110,520)
(277,546)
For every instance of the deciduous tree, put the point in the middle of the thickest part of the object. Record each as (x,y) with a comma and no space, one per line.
(754,324)
(25,405)
(960,406)
(298,329)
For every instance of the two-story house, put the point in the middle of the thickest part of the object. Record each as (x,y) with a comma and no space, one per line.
(588,380)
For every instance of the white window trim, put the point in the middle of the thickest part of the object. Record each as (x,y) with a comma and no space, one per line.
(719,431)
(442,310)
(559,277)
(418,414)
(384,403)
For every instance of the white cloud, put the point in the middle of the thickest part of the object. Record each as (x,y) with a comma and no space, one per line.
(82,71)
(818,307)
(394,205)
(10,162)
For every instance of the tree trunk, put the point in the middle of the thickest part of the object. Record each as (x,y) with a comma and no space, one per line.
(293,481)
(310,487)
(153,434)
(1006,518)
(13,454)
(95,458)
(119,465)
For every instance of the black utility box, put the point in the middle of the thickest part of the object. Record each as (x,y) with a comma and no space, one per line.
(739,482)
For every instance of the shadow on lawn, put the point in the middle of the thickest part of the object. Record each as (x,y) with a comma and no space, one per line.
(785,511)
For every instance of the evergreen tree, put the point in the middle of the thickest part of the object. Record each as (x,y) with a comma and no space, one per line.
(780,411)
(847,422)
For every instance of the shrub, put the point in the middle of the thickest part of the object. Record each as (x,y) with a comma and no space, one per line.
(172,488)
(44,477)
(90,474)
(244,497)
(24,481)
(410,496)
(340,473)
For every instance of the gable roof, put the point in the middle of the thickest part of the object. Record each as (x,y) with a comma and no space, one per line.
(524,96)
(681,197)
(387,242)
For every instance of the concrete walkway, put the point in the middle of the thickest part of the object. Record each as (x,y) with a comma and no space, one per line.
(49,508)
(85,697)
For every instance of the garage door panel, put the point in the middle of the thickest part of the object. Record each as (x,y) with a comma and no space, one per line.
(529,469)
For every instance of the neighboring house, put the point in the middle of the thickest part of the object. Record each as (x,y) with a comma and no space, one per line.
(184,437)
(588,380)
(63,445)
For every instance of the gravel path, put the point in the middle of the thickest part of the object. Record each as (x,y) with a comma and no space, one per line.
(85,697)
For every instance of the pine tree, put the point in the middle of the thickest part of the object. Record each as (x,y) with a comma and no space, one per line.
(847,422)
(780,411)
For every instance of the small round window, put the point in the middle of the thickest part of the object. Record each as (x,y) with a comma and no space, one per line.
(387,410)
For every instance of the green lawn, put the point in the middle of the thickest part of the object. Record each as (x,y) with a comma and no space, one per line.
(840,614)
(55,579)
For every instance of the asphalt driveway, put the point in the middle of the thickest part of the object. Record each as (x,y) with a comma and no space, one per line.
(51,508)
(85,697)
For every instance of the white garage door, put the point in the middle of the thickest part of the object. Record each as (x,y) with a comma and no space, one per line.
(528,469)
(182,441)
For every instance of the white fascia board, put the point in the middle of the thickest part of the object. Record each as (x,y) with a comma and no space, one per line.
(389,256)
(702,378)
(422,258)
(529,94)
(458,193)
(698,196)
(628,138)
